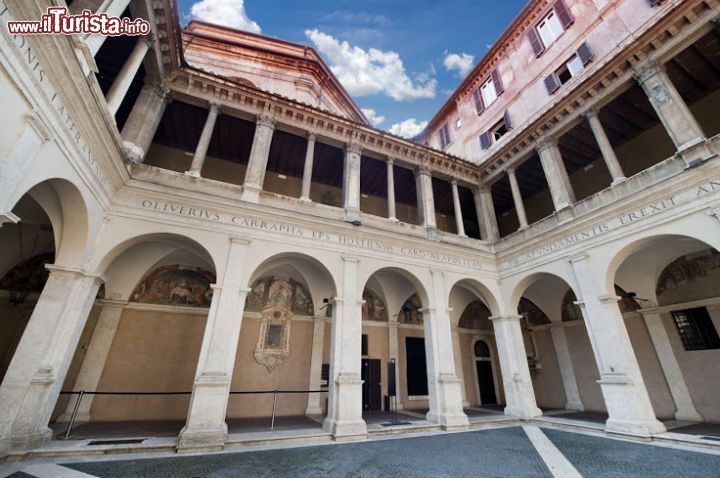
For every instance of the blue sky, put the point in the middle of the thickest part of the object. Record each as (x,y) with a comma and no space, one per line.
(400,58)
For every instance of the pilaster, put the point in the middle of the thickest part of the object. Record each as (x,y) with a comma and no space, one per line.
(567,371)
(314,406)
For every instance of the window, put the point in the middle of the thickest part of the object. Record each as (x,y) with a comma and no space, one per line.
(494,134)
(572,68)
(696,329)
(654,3)
(488,91)
(458,124)
(557,20)
(444,136)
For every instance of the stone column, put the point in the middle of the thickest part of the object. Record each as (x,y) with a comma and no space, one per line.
(392,215)
(426,201)
(344,418)
(113,8)
(201,149)
(314,405)
(486,213)
(622,385)
(259,153)
(556,174)
(143,122)
(671,368)
(94,362)
(351,182)
(567,371)
(205,428)
(517,199)
(122,82)
(679,122)
(608,153)
(459,364)
(15,162)
(519,393)
(444,388)
(458,209)
(308,168)
(36,374)
(394,352)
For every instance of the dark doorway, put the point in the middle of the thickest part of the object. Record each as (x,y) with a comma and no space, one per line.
(371,384)
(485,382)
(416,366)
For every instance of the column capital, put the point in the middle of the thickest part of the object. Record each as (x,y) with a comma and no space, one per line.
(714,211)
(545,143)
(240,241)
(214,107)
(454,182)
(149,39)
(351,259)
(422,170)
(578,258)
(647,70)
(482,188)
(510,170)
(311,136)
(265,119)
(390,161)
(53,268)
(508,318)
(591,112)
(353,148)
(113,303)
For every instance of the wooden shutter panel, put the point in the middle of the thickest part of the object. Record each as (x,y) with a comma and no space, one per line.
(506,119)
(563,13)
(497,82)
(485,140)
(479,103)
(536,41)
(552,83)
(585,54)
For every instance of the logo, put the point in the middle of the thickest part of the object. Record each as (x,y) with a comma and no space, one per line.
(57,22)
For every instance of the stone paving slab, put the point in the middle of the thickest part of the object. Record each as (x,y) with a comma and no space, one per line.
(596,457)
(499,453)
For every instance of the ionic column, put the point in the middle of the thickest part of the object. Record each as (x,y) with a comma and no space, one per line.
(671,368)
(201,149)
(259,154)
(567,371)
(314,406)
(519,393)
(517,199)
(426,201)
(394,353)
(608,153)
(94,362)
(308,168)
(457,352)
(113,8)
(143,122)
(351,182)
(122,82)
(556,174)
(391,190)
(621,382)
(444,387)
(679,122)
(36,374)
(344,418)
(458,209)
(205,428)
(486,213)
(16,162)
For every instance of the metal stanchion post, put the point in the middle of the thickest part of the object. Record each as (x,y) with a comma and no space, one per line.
(74,414)
(272,423)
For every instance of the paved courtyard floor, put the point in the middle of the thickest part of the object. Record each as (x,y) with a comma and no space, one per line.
(510,452)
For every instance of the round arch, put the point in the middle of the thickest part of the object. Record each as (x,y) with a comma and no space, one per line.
(480,290)
(522,286)
(416,278)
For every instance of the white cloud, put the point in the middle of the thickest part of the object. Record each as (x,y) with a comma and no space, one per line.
(228,13)
(372,116)
(368,72)
(462,62)
(408,128)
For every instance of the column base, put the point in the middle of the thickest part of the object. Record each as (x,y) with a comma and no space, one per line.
(579,407)
(696,153)
(194,174)
(637,428)
(393,219)
(30,439)
(251,193)
(305,199)
(133,152)
(352,216)
(531,412)
(449,421)
(208,439)
(690,416)
(617,181)
(313,411)
(342,430)
(432,233)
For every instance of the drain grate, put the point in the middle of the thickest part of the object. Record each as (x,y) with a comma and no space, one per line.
(133,441)
(710,438)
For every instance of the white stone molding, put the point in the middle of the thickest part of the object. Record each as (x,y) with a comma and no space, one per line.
(567,370)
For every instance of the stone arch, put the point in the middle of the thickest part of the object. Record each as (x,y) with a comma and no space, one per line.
(480,290)
(553,280)
(416,278)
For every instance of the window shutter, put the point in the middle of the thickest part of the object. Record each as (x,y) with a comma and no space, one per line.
(563,13)
(479,104)
(497,82)
(552,83)
(506,119)
(585,54)
(485,140)
(536,42)
(654,3)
